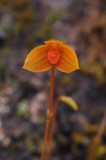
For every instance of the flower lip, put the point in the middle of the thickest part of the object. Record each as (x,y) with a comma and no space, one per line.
(53,55)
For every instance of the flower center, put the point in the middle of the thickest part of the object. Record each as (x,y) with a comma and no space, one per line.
(53,55)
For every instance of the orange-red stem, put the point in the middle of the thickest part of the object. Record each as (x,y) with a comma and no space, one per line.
(51,91)
(52,128)
(49,115)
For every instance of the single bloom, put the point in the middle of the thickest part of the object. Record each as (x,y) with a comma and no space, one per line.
(52,54)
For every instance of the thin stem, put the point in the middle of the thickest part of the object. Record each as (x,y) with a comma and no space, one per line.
(102,126)
(51,133)
(49,115)
(45,138)
(51,91)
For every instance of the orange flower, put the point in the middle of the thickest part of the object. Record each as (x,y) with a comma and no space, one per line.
(53,53)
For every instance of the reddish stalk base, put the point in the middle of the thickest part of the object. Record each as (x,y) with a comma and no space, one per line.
(49,116)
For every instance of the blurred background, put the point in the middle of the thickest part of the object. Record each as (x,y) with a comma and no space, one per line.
(24,95)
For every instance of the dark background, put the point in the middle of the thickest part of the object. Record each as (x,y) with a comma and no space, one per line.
(24,96)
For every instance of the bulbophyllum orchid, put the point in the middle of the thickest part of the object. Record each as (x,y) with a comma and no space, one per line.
(53,54)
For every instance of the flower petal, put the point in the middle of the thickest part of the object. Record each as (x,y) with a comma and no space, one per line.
(53,43)
(37,60)
(68,61)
